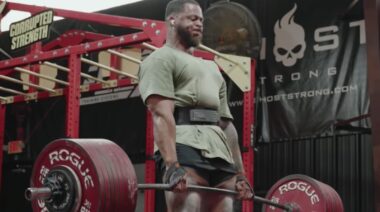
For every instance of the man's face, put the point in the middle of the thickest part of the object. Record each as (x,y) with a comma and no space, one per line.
(189,25)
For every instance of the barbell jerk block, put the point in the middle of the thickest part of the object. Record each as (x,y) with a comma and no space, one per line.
(303,193)
(83,175)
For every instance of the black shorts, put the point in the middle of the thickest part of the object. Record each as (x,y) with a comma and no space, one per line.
(214,170)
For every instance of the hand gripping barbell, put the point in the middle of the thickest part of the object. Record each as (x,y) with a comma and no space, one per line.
(97,175)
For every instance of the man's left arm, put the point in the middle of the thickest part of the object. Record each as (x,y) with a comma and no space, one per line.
(233,143)
(243,186)
(228,127)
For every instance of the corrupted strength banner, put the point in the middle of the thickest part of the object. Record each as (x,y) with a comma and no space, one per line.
(312,71)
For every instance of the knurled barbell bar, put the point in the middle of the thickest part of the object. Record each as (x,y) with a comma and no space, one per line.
(97,175)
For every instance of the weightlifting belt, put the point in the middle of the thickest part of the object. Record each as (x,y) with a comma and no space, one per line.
(195,116)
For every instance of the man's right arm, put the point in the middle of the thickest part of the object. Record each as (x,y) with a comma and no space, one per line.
(164,135)
(164,126)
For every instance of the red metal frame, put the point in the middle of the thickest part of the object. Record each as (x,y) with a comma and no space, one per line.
(248,126)
(63,91)
(73,97)
(73,37)
(150,166)
(149,27)
(70,46)
(83,48)
(2,129)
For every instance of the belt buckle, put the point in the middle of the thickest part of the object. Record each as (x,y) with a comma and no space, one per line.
(204,115)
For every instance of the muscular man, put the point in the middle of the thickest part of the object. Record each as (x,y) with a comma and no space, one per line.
(193,132)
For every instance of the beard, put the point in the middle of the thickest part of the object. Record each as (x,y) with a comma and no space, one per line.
(187,38)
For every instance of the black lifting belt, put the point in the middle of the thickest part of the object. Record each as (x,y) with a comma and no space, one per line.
(195,116)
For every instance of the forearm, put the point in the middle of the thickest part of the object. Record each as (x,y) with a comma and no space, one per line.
(164,134)
(233,142)
(163,126)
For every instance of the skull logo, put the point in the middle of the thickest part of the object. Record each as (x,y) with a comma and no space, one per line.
(289,41)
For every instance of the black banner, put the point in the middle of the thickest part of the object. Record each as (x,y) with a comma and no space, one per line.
(312,71)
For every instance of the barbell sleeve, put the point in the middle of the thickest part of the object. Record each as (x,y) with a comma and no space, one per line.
(268,202)
(42,193)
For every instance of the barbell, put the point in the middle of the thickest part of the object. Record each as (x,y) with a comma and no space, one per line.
(96,175)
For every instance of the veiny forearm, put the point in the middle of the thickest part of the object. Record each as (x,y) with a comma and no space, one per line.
(233,142)
(163,126)
(164,134)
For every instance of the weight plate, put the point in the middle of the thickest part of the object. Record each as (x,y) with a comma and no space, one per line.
(328,196)
(90,146)
(335,200)
(121,191)
(127,178)
(104,172)
(66,153)
(119,179)
(301,192)
(338,203)
(102,156)
(119,170)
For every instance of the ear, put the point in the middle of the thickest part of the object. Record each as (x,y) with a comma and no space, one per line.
(171,21)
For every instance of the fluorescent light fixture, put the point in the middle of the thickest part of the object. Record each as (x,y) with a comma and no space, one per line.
(75,5)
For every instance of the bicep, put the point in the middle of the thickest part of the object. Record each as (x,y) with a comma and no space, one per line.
(160,105)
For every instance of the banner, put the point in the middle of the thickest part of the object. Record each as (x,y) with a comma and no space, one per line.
(30,30)
(312,71)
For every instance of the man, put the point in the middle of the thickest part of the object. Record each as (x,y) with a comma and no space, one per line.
(196,139)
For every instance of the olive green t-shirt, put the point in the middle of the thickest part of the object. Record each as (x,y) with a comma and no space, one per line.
(191,82)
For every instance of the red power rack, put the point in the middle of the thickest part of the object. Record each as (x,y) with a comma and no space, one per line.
(71,46)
